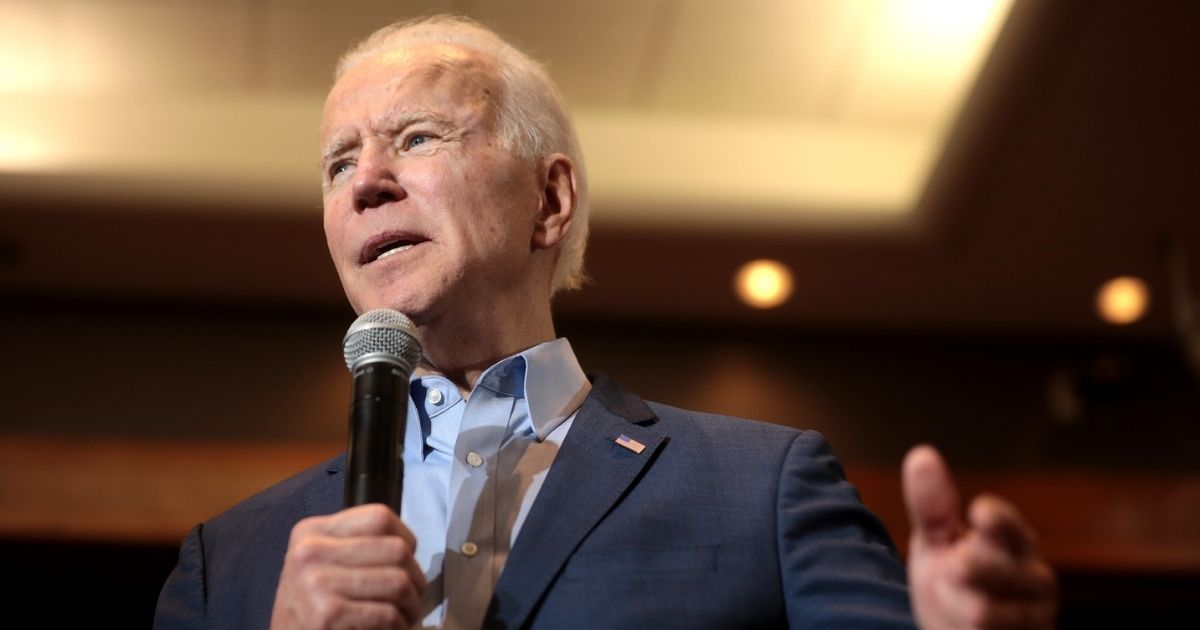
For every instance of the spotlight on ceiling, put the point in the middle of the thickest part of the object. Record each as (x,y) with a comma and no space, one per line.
(763,283)
(1122,300)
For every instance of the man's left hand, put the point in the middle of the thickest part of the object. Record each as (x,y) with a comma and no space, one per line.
(984,573)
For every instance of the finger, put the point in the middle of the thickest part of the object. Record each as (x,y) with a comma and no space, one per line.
(996,573)
(414,571)
(359,551)
(361,520)
(409,602)
(400,587)
(354,615)
(1003,614)
(374,519)
(930,496)
(394,585)
(356,551)
(379,584)
(1000,523)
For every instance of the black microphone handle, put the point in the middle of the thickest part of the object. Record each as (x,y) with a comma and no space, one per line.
(378,410)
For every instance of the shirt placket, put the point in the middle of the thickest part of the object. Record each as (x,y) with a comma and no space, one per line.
(435,413)
(469,563)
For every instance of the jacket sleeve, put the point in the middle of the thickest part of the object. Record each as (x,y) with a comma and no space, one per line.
(838,564)
(182,602)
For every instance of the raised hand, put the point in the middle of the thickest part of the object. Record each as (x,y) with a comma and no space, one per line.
(982,573)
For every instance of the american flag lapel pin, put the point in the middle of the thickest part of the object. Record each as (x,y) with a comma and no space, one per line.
(630,443)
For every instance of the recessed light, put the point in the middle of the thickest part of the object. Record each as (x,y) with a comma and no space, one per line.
(763,283)
(1122,300)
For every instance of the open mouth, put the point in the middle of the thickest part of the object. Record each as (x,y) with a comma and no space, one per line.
(384,246)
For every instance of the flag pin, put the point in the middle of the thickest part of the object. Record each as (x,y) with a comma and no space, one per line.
(630,443)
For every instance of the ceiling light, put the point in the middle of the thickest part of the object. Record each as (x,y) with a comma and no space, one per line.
(1122,300)
(763,283)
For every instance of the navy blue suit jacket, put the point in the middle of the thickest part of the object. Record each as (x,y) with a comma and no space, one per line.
(718,523)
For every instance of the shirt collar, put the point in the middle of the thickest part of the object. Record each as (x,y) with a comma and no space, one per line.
(548,377)
(421,391)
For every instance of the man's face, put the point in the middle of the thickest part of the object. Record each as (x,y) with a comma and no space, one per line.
(424,211)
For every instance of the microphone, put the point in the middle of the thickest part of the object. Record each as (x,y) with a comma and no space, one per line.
(381,350)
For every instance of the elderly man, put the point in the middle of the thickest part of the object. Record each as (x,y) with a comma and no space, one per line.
(454,192)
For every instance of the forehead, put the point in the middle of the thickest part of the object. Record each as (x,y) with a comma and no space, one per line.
(444,78)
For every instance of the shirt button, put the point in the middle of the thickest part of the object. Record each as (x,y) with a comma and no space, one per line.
(435,397)
(474,459)
(469,549)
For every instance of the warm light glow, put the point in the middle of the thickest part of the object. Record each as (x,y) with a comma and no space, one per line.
(1122,300)
(838,127)
(20,151)
(27,50)
(764,283)
(944,21)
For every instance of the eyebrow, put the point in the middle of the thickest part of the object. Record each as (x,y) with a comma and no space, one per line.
(336,148)
(396,123)
(393,123)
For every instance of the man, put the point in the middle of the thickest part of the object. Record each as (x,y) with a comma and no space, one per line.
(454,192)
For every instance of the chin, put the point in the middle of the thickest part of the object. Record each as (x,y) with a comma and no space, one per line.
(415,309)
(418,301)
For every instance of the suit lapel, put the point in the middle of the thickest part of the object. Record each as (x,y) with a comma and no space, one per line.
(589,476)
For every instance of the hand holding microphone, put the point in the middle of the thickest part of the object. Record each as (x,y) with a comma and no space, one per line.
(357,568)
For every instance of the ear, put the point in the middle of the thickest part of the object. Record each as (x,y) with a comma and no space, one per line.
(556,206)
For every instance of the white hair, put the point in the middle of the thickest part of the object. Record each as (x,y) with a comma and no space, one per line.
(531,114)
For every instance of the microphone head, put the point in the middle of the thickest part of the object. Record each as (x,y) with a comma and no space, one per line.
(382,335)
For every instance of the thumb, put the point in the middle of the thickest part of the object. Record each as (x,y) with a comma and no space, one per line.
(931,497)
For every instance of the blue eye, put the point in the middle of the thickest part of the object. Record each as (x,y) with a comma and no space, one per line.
(418,139)
(338,168)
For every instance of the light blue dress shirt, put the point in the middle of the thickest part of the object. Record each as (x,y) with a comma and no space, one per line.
(473,467)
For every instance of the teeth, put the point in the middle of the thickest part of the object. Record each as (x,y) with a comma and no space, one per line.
(393,251)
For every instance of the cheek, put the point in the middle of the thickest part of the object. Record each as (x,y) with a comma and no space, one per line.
(333,234)
(490,205)
(337,237)
(510,207)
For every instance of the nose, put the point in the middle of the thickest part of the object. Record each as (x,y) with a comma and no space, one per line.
(375,183)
